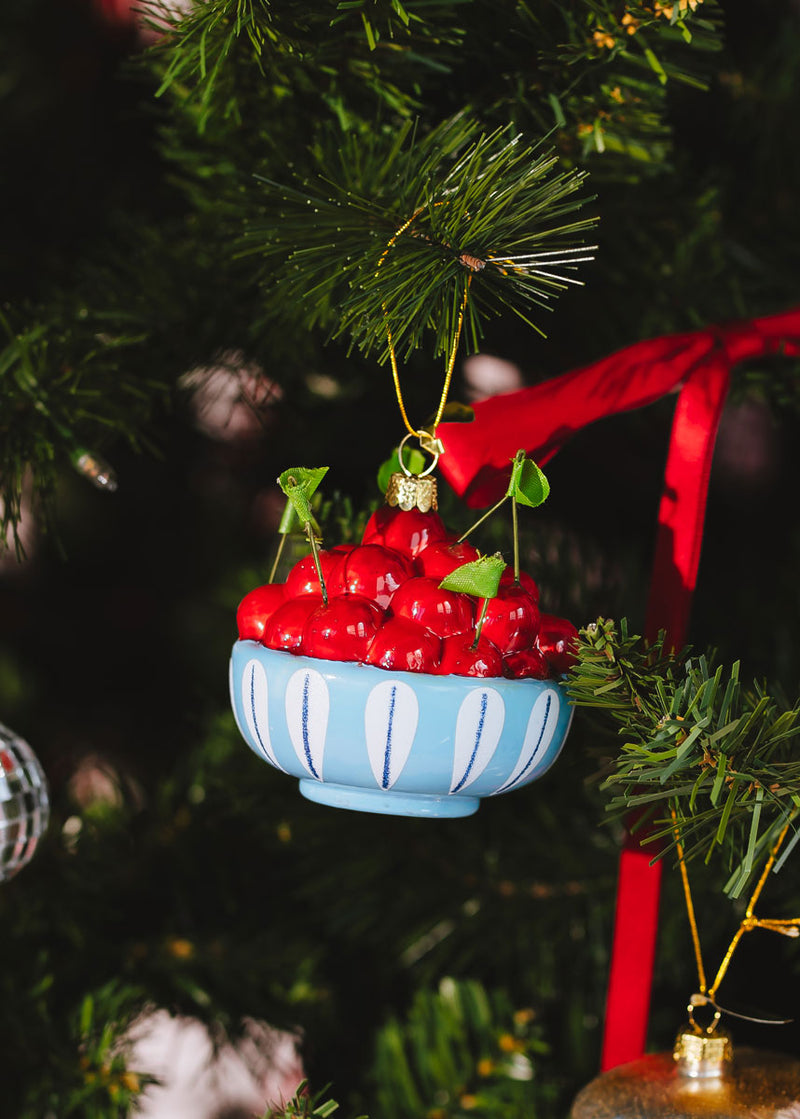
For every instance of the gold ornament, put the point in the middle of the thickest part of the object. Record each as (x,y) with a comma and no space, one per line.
(410,492)
(414,491)
(703,1076)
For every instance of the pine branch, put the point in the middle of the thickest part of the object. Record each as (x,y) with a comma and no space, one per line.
(207,52)
(407,223)
(198,48)
(724,757)
(53,403)
(461,1048)
(303,1105)
(602,73)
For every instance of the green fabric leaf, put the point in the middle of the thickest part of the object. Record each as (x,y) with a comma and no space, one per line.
(288,520)
(528,484)
(480,577)
(299,483)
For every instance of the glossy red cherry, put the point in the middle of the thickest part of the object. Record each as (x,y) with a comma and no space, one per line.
(527,664)
(374,572)
(443,612)
(342,630)
(256,608)
(512,620)
(285,628)
(377,524)
(440,558)
(408,532)
(460,659)
(303,578)
(525,581)
(405,646)
(558,641)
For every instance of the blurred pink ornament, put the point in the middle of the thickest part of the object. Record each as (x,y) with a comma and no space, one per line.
(232,399)
(485,376)
(98,781)
(199,1080)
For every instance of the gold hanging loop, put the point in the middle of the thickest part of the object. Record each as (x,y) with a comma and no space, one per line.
(422,434)
(707,996)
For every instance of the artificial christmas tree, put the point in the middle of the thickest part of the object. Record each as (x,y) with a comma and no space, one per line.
(206,222)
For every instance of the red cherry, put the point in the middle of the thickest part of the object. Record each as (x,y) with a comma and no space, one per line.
(512,620)
(285,628)
(525,581)
(405,646)
(443,612)
(558,641)
(408,532)
(527,664)
(374,572)
(460,659)
(342,630)
(440,558)
(256,608)
(377,525)
(303,578)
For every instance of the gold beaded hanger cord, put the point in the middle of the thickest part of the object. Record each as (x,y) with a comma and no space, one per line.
(407,490)
(707,996)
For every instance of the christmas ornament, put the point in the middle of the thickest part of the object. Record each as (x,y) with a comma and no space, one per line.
(200,1074)
(703,1076)
(390,676)
(389,690)
(24,803)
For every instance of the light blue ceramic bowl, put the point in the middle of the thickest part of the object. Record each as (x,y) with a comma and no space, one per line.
(402,743)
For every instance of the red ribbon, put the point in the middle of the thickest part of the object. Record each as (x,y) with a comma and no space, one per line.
(541,419)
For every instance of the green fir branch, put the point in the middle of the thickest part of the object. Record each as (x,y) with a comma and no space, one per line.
(53,403)
(304,1105)
(215,57)
(483,214)
(461,1050)
(603,72)
(695,740)
(198,49)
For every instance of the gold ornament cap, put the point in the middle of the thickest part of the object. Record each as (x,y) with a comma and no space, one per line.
(703,1053)
(409,491)
(414,491)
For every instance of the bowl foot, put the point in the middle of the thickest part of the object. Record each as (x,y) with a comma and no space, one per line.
(388,803)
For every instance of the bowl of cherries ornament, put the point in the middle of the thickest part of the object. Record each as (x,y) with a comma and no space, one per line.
(406,674)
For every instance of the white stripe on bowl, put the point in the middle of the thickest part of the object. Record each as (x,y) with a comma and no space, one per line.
(390,723)
(255,701)
(307,709)
(478,729)
(538,736)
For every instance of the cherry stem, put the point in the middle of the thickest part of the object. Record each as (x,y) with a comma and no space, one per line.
(479,623)
(315,553)
(516,539)
(487,514)
(277,559)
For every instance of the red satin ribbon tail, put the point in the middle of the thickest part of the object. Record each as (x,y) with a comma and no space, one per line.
(681,517)
(633,953)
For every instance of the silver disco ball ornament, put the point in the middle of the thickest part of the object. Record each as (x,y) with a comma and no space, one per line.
(24,803)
